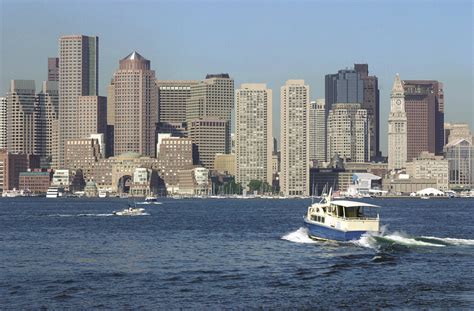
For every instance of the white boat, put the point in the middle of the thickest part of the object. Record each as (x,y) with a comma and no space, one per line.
(12,193)
(130,211)
(424,197)
(340,220)
(102,194)
(53,192)
(150,200)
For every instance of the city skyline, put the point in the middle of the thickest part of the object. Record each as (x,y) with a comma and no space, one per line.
(249,59)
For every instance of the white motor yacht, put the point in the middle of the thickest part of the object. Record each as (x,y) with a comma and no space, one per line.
(130,211)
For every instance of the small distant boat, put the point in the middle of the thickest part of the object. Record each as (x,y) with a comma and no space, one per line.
(340,220)
(102,194)
(130,211)
(150,200)
(52,193)
(424,197)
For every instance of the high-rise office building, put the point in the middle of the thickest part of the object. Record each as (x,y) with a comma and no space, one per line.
(210,100)
(46,113)
(109,137)
(348,134)
(78,76)
(317,131)
(172,99)
(53,69)
(397,127)
(21,117)
(253,137)
(356,86)
(93,112)
(424,104)
(212,97)
(136,106)
(3,122)
(371,102)
(211,135)
(346,86)
(294,176)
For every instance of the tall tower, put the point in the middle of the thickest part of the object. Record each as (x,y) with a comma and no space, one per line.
(78,76)
(21,117)
(136,106)
(348,133)
(317,131)
(46,111)
(3,122)
(424,106)
(397,127)
(208,115)
(253,133)
(294,178)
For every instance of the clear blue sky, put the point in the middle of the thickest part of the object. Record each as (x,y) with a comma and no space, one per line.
(256,41)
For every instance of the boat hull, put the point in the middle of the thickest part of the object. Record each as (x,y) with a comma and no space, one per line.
(320,232)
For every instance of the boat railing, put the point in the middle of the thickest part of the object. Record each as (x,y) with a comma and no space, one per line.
(365,218)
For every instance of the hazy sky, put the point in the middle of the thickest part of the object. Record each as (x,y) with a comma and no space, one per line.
(256,41)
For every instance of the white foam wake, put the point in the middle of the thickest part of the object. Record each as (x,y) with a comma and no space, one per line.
(452,241)
(299,236)
(408,241)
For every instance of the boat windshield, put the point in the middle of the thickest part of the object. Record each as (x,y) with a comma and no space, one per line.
(352,211)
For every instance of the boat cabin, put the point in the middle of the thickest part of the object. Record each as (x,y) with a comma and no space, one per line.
(351,209)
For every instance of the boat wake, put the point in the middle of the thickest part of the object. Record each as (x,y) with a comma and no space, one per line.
(299,236)
(398,240)
(90,215)
(383,241)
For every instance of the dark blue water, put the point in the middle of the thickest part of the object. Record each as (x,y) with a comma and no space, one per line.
(201,254)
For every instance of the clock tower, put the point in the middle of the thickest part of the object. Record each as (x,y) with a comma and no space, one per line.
(397,127)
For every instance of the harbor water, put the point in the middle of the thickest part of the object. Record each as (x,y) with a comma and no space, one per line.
(228,253)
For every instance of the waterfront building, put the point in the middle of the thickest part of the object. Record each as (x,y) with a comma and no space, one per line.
(456,131)
(356,86)
(46,113)
(424,105)
(62,178)
(83,154)
(225,164)
(460,156)
(93,112)
(175,153)
(397,127)
(136,106)
(405,185)
(3,122)
(21,117)
(53,69)
(91,190)
(253,137)
(11,165)
(429,166)
(194,181)
(347,133)
(34,182)
(211,135)
(294,176)
(317,131)
(78,76)
(144,182)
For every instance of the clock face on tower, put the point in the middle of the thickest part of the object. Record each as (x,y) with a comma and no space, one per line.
(399,102)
